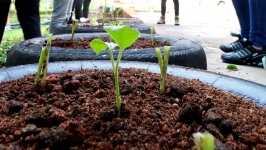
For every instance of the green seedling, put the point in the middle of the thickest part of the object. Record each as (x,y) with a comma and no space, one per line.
(74,26)
(118,12)
(104,12)
(231,67)
(43,64)
(93,21)
(123,36)
(163,64)
(204,141)
(152,37)
(112,13)
(120,23)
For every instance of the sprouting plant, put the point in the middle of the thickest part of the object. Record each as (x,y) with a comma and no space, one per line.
(163,63)
(74,26)
(43,64)
(118,12)
(93,21)
(204,141)
(231,67)
(152,37)
(112,23)
(104,12)
(123,36)
(112,13)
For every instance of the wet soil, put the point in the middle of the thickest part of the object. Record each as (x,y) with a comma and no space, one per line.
(77,110)
(83,43)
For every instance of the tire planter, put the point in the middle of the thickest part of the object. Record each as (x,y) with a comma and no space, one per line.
(184,52)
(68,29)
(249,90)
(135,23)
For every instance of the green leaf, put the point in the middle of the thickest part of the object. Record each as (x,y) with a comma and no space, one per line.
(98,45)
(124,36)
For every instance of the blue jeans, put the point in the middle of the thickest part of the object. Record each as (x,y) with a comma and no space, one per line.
(61,13)
(252,19)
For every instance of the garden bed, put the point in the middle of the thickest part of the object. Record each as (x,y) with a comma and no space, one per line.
(77,110)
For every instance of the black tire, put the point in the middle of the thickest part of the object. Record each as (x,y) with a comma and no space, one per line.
(68,29)
(184,52)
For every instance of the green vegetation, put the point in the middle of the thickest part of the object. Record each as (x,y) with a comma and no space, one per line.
(43,64)
(123,36)
(163,63)
(74,26)
(152,37)
(231,67)
(204,141)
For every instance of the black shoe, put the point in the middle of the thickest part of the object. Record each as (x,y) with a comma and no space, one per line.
(246,55)
(238,44)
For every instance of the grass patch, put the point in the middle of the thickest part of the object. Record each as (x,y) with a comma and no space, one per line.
(12,37)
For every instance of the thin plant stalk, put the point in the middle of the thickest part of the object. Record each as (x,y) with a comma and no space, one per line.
(163,63)
(104,12)
(43,64)
(152,37)
(74,26)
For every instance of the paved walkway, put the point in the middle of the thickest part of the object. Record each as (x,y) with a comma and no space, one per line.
(209,26)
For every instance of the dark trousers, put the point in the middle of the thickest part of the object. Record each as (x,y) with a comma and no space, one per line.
(86,5)
(77,4)
(28,16)
(163,7)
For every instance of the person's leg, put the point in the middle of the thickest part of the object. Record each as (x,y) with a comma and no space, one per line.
(176,4)
(73,8)
(243,15)
(163,7)
(257,34)
(78,9)
(86,5)
(163,10)
(61,13)
(256,49)
(5,4)
(29,17)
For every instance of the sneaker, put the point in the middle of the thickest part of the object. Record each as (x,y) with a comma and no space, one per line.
(238,44)
(246,55)
(82,19)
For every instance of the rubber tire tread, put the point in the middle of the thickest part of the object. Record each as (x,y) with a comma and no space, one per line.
(183,52)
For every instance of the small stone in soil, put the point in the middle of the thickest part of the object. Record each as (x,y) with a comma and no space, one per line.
(189,113)
(14,107)
(213,116)
(215,131)
(56,138)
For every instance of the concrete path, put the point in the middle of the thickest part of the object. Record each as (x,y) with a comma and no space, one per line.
(208,25)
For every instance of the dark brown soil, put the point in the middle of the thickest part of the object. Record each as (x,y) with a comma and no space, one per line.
(77,110)
(85,43)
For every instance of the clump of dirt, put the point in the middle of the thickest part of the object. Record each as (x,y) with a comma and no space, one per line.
(77,110)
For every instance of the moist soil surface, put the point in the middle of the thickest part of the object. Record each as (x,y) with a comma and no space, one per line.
(77,110)
(83,43)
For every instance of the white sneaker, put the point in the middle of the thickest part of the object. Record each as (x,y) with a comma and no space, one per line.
(7,27)
(82,19)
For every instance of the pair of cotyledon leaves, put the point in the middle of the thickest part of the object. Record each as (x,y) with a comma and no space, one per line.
(123,36)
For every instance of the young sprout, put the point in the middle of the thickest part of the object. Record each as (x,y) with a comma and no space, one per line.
(112,13)
(123,36)
(43,64)
(93,21)
(104,12)
(118,12)
(163,64)
(74,26)
(204,141)
(152,38)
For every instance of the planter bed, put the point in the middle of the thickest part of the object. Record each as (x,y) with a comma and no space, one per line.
(76,110)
